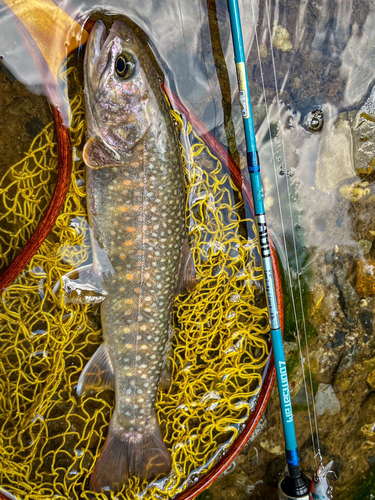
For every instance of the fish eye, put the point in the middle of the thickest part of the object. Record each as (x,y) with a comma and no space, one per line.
(125,65)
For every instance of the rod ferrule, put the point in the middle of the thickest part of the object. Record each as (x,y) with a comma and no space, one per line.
(253,162)
(292,457)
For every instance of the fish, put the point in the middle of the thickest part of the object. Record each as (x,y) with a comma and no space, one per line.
(320,489)
(140,255)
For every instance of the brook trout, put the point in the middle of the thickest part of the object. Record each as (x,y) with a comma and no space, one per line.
(136,208)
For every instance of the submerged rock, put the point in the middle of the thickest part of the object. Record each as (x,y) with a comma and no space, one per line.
(326,401)
(363,277)
(364,246)
(271,447)
(371,379)
(348,359)
(354,192)
(363,133)
(347,149)
(335,159)
(281,39)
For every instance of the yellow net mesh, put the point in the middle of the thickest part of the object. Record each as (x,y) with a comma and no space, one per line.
(50,438)
(25,190)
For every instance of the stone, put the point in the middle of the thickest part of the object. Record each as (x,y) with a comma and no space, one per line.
(363,132)
(363,277)
(369,430)
(334,163)
(316,299)
(273,469)
(366,319)
(299,399)
(348,358)
(339,339)
(350,296)
(289,348)
(323,300)
(326,401)
(363,150)
(354,192)
(263,50)
(371,379)
(362,218)
(271,447)
(364,246)
(281,39)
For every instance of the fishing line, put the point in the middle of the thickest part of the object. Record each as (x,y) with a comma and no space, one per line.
(284,237)
(282,224)
(316,447)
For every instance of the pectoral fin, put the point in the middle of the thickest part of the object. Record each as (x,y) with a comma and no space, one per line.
(98,373)
(186,275)
(97,154)
(82,286)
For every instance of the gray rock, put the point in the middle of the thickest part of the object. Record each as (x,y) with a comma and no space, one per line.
(335,161)
(326,401)
(350,296)
(348,358)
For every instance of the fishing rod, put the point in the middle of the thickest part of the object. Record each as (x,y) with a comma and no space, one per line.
(295,484)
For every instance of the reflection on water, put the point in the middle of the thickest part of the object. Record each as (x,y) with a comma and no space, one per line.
(312,73)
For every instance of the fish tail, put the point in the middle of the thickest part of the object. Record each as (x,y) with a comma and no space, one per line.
(126,454)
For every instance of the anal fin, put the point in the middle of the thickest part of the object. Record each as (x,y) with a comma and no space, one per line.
(98,373)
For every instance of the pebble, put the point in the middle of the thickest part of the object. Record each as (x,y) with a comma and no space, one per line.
(354,192)
(364,246)
(363,277)
(326,401)
(271,447)
(334,163)
(348,358)
(371,379)
(281,39)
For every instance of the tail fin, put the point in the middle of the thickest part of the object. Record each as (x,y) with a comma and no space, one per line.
(126,454)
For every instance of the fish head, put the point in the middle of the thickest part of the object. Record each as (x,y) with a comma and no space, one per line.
(118,91)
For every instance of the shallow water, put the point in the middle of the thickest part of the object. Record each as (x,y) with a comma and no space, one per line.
(311,76)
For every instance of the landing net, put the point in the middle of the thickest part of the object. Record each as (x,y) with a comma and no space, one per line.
(49,438)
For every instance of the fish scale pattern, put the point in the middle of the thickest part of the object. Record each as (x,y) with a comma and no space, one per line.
(50,438)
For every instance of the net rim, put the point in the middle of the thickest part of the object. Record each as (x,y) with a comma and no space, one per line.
(56,203)
(65,163)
